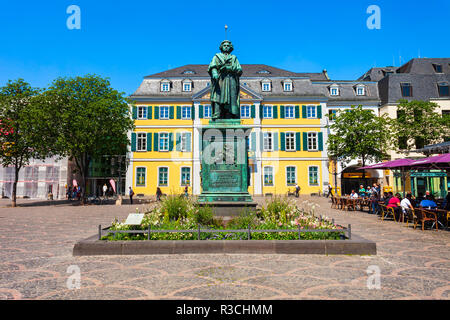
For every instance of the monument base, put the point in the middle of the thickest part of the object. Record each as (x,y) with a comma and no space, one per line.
(230,208)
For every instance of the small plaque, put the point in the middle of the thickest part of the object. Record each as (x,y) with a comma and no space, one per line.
(134,219)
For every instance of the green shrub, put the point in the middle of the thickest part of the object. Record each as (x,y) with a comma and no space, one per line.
(175,207)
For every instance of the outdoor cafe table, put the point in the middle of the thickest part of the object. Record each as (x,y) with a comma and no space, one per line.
(441,214)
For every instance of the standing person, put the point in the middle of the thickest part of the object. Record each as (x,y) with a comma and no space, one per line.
(297,190)
(105,188)
(186,189)
(362,191)
(131,194)
(69,193)
(158,194)
(330,188)
(74,192)
(79,193)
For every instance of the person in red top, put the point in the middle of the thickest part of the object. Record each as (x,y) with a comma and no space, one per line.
(394,202)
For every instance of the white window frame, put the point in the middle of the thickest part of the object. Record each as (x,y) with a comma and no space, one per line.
(168,172)
(286,113)
(295,175)
(142,109)
(267,135)
(307,112)
(316,141)
(204,111)
(363,91)
(287,83)
(266,107)
(159,141)
(318,176)
(189,108)
(264,176)
(137,141)
(163,83)
(181,176)
(266,83)
(160,112)
(248,108)
(136,178)
(286,141)
(334,88)
(187,83)
(183,137)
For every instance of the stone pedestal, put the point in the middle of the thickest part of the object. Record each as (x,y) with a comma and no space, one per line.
(225,174)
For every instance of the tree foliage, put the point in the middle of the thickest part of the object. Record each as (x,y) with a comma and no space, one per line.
(20,140)
(359,134)
(90,119)
(419,123)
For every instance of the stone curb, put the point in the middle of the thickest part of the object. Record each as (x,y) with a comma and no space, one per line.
(93,246)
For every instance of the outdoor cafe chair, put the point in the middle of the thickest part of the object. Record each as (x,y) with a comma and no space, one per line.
(424,216)
(410,216)
(386,212)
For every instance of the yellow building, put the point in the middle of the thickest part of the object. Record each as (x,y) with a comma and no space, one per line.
(284,109)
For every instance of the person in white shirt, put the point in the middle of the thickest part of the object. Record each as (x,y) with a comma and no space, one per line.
(354,195)
(105,188)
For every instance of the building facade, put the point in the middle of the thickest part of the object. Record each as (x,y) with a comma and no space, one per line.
(285,110)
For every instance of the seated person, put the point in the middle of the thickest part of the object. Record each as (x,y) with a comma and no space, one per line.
(394,202)
(354,195)
(387,197)
(428,203)
(362,191)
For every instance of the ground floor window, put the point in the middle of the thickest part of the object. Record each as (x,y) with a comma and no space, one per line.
(268,176)
(290,176)
(185,176)
(163,176)
(313,176)
(140,177)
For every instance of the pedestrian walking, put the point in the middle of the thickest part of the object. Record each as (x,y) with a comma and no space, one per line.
(131,194)
(329,190)
(297,190)
(158,194)
(105,188)
(186,194)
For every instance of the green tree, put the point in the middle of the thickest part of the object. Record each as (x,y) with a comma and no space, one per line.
(20,140)
(359,134)
(90,119)
(419,123)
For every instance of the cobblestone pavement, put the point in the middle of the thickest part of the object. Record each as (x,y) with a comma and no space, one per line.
(36,245)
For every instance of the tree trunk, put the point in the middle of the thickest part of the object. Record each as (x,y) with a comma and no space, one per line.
(14,190)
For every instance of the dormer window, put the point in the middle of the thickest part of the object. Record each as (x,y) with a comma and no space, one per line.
(287,85)
(443,89)
(263,72)
(360,90)
(334,90)
(188,72)
(187,85)
(407,90)
(165,86)
(266,86)
(437,68)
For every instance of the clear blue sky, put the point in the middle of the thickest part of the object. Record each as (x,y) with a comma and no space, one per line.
(127,40)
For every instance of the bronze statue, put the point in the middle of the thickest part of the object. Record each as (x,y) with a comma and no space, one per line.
(225,71)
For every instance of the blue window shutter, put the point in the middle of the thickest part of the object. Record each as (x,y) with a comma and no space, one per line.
(134,112)
(297,141)
(200,111)
(193,113)
(261,113)
(305,141)
(281,112)
(319,112)
(171,112)
(253,137)
(261,140)
(253,111)
(178,139)
(155,141)
(283,141)
(149,112)
(178,112)
(170,141)
(133,141)
(188,142)
(275,141)
(149,141)
(297,112)
(304,112)
(320,141)
(275,112)
(156,112)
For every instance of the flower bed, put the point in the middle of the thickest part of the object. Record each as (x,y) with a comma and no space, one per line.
(180,213)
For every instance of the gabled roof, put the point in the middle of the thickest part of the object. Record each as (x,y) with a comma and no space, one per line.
(249,70)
